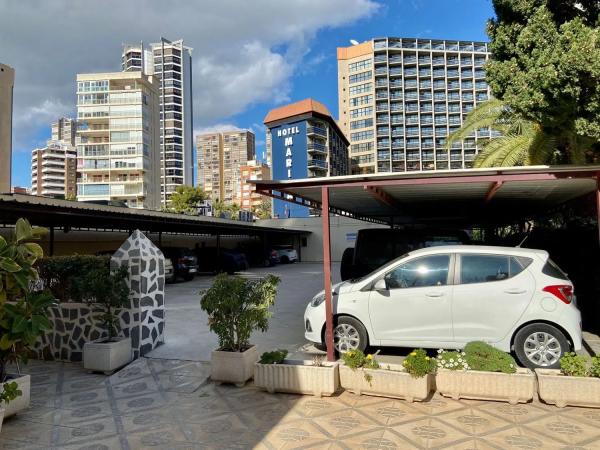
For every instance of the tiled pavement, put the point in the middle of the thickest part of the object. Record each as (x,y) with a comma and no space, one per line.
(169,405)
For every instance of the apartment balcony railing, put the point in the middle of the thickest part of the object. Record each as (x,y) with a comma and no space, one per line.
(395,60)
(466,47)
(381,83)
(452,47)
(438,60)
(399,143)
(382,107)
(395,84)
(382,120)
(381,95)
(383,131)
(316,147)
(410,73)
(398,156)
(467,73)
(439,96)
(380,44)
(410,60)
(466,62)
(380,58)
(395,72)
(410,84)
(480,74)
(397,107)
(396,97)
(425,85)
(411,96)
(317,163)
(481,85)
(439,73)
(424,60)
(383,143)
(381,71)
(452,73)
(316,130)
(479,62)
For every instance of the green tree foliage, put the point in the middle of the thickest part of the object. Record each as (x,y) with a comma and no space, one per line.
(236,307)
(222,209)
(522,142)
(185,200)
(546,70)
(263,211)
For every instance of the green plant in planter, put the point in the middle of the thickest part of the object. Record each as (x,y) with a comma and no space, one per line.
(484,357)
(236,307)
(418,364)
(107,293)
(574,365)
(356,359)
(23,313)
(9,392)
(452,360)
(274,357)
(595,367)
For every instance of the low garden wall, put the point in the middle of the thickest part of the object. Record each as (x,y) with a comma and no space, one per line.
(144,320)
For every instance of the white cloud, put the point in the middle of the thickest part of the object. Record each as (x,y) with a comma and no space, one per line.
(245,52)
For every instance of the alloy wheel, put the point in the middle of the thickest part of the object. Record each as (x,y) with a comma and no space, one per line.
(345,337)
(542,349)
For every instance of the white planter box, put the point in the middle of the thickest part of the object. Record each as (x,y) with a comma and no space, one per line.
(561,390)
(102,356)
(233,367)
(21,403)
(298,377)
(513,388)
(393,383)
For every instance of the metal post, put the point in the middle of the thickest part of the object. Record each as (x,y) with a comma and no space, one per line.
(598,204)
(51,241)
(160,239)
(218,253)
(162,124)
(327,274)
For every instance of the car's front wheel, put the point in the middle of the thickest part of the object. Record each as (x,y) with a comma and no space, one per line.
(540,345)
(349,334)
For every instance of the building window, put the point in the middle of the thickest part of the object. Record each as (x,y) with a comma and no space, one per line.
(360,65)
(364,123)
(363,76)
(367,111)
(362,135)
(363,147)
(362,100)
(361,88)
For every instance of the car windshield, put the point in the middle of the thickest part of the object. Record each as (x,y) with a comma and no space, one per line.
(384,266)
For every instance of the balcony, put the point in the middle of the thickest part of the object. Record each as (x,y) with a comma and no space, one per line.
(383,143)
(395,72)
(439,73)
(424,60)
(315,147)
(381,83)
(310,130)
(382,120)
(380,58)
(382,107)
(410,60)
(395,60)
(381,95)
(319,164)
(381,71)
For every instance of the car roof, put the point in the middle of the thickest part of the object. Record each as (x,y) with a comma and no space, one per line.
(483,249)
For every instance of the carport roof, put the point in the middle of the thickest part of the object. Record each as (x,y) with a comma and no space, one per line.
(451,197)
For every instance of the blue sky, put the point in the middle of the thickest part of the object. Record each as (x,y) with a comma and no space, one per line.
(307,63)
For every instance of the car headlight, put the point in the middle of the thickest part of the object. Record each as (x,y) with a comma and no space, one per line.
(317,299)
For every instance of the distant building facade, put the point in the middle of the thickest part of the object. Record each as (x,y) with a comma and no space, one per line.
(221,156)
(54,167)
(304,141)
(254,170)
(171,64)
(118,139)
(399,98)
(7,81)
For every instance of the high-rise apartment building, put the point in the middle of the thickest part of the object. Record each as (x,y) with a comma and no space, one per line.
(220,158)
(118,139)
(54,167)
(249,198)
(7,81)
(399,99)
(174,61)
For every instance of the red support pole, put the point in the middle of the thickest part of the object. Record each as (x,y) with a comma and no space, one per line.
(327,274)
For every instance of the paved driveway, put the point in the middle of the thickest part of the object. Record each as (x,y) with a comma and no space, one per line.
(187,335)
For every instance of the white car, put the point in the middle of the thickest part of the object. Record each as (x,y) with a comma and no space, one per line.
(286,255)
(444,297)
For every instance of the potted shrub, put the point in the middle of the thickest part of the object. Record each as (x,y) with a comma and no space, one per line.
(483,372)
(107,294)
(23,313)
(236,307)
(8,392)
(412,381)
(276,374)
(576,383)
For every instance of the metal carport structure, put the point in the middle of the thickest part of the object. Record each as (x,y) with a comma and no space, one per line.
(466,198)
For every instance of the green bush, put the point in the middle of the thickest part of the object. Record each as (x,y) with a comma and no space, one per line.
(595,367)
(236,307)
(452,360)
(482,356)
(418,364)
(574,365)
(9,392)
(66,276)
(356,359)
(274,357)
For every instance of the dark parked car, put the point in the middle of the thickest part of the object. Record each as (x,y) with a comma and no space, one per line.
(258,256)
(376,246)
(228,260)
(185,262)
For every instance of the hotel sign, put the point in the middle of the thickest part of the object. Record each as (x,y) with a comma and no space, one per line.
(286,134)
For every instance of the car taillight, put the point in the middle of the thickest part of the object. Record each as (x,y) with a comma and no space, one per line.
(564,292)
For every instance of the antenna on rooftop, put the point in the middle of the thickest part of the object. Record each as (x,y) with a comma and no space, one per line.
(353,42)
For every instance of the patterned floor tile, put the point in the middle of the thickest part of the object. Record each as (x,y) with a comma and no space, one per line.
(295,434)
(521,438)
(564,429)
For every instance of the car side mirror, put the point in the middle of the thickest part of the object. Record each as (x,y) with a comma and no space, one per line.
(380,285)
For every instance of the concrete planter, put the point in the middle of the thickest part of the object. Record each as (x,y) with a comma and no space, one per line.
(393,383)
(233,367)
(21,403)
(561,390)
(298,377)
(103,356)
(513,388)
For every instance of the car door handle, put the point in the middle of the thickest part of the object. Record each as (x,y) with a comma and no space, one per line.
(515,291)
(434,294)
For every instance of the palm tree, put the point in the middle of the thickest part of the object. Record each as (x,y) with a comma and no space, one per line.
(521,142)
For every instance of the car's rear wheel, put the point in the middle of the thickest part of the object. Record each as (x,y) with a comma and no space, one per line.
(540,345)
(349,334)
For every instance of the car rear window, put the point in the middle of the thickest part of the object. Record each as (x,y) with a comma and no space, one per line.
(552,270)
(486,268)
